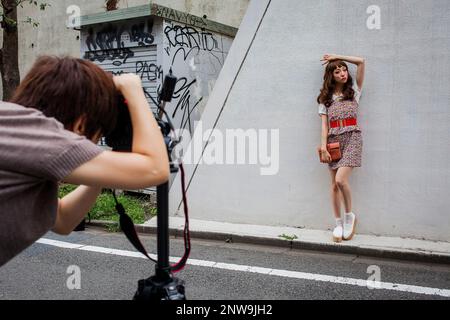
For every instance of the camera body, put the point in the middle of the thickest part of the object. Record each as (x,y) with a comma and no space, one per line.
(121,138)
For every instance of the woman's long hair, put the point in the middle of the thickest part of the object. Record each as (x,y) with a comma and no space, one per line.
(69,88)
(329,84)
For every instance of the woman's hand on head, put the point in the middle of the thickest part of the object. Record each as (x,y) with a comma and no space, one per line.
(327,58)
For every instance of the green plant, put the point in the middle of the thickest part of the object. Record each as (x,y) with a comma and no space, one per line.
(138,207)
(289,238)
(113,227)
(105,208)
(65,189)
(153,212)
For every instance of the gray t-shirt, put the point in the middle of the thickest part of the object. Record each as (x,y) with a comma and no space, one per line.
(35,153)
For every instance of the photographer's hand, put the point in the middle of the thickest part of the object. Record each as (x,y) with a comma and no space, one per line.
(142,119)
(127,81)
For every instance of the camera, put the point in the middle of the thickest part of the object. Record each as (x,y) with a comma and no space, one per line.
(121,138)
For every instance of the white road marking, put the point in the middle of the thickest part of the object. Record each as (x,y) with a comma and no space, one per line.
(251,269)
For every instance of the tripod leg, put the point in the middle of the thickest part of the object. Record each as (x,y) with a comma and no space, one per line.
(163,227)
(162,286)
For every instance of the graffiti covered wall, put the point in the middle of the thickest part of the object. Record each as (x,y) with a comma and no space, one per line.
(150,47)
(53,37)
(129,47)
(196,57)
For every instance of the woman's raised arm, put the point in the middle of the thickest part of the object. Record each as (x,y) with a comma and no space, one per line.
(359,61)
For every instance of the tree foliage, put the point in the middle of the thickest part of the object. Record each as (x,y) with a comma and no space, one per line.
(9,65)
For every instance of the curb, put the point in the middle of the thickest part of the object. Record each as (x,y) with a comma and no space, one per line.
(377,252)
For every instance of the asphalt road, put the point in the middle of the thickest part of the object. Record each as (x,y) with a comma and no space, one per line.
(220,271)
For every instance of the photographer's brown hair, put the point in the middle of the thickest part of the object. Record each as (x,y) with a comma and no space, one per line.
(68,88)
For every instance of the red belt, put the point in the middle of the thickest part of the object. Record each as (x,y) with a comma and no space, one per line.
(343,123)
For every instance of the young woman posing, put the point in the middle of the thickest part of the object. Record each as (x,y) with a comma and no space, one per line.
(338,108)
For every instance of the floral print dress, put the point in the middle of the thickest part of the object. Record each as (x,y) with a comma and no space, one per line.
(350,137)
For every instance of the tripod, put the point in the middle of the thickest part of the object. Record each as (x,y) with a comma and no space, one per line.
(163,285)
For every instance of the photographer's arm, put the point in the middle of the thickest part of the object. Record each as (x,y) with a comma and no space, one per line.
(74,207)
(147,165)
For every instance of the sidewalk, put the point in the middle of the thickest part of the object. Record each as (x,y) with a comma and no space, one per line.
(319,240)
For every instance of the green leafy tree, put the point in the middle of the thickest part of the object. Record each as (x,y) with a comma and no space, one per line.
(9,52)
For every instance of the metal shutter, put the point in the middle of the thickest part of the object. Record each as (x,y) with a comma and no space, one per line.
(141,61)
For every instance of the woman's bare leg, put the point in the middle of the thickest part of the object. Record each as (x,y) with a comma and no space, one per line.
(342,178)
(335,195)
(342,181)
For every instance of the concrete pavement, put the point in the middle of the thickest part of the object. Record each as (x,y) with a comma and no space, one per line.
(109,268)
(319,240)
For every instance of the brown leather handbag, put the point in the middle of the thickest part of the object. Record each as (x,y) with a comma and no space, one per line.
(335,151)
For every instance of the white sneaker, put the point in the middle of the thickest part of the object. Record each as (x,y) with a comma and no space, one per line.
(349,226)
(337,234)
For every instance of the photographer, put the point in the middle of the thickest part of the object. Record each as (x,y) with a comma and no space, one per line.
(48,134)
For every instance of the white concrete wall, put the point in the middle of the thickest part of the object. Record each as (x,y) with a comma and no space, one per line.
(52,36)
(403,185)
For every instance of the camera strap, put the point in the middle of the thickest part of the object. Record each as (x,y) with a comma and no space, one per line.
(127,226)
(186,235)
(129,229)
